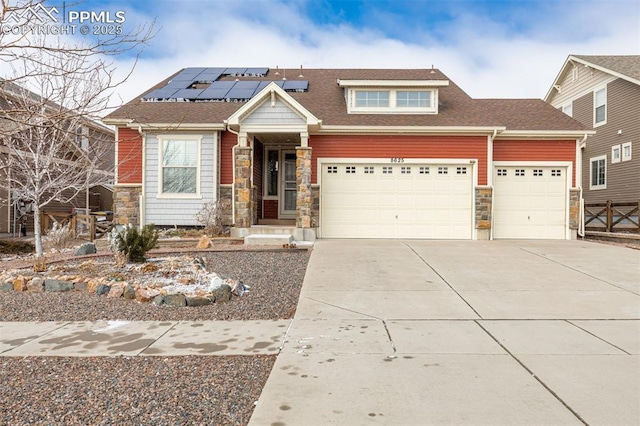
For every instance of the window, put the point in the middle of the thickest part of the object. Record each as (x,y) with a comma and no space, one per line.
(351,169)
(600,105)
(443,170)
(368,170)
(615,154)
(537,172)
(179,166)
(405,170)
(598,173)
(567,109)
(502,172)
(461,170)
(272,173)
(413,99)
(556,172)
(626,151)
(424,170)
(372,99)
(387,170)
(82,137)
(332,169)
(519,172)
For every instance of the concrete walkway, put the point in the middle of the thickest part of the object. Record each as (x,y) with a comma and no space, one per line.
(432,332)
(420,332)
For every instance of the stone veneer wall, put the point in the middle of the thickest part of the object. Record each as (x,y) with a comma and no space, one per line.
(126,204)
(243,188)
(304,202)
(484,210)
(315,206)
(574,209)
(226,196)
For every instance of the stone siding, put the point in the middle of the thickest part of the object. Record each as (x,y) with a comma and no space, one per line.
(243,191)
(315,206)
(304,202)
(484,207)
(126,204)
(574,209)
(226,197)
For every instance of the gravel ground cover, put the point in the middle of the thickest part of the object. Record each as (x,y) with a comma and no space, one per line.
(132,390)
(191,390)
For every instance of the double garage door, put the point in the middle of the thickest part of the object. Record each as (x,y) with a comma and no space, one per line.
(435,201)
(397,200)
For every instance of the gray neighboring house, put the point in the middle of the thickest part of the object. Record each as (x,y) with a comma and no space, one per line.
(603,93)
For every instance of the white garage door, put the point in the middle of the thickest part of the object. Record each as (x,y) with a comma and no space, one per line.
(530,202)
(396,201)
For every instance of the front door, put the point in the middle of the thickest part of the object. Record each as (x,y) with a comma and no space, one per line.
(288,189)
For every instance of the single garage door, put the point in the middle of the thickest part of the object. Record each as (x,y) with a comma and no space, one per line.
(396,201)
(530,202)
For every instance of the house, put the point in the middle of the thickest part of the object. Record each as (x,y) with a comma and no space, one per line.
(347,153)
(19,106)
(603,93)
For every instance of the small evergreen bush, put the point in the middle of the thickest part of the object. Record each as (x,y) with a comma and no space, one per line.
(132,243)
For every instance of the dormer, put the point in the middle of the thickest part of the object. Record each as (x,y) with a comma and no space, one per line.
(392,96)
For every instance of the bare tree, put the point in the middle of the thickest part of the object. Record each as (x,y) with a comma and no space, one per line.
(59,86)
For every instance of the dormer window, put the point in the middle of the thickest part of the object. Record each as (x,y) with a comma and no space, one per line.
(392,96)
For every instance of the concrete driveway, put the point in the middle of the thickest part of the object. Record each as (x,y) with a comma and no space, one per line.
(452,332)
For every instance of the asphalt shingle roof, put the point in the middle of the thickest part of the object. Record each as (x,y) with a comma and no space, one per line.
(628,65)
(325,99)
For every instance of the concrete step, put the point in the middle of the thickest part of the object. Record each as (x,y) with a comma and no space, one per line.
(268,239)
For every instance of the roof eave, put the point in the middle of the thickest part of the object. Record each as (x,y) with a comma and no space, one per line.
(545,134)
(457,130)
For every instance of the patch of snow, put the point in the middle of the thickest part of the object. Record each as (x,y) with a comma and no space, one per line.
(111,325)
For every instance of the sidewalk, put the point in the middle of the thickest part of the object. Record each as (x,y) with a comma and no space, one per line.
(126,338)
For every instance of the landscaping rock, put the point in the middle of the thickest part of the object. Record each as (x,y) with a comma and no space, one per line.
(35,285)
(198,301)
(116,291)
(129,292)
(222,293)
(204,242)
(20,284)
(158,300)
(86,248)
(175,300)
(80,286)
(146,294)
(103,289)
(57,285)
(6,287)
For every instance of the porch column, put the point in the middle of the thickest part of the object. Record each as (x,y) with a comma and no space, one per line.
(484,211)
(303,186)
(242,187)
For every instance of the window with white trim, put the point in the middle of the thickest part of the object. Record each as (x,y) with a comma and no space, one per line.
(502,172)
(180,162)
(332,169)
(600,106)
(392,101)
(461,170)
(598,167)
(567,109)
(616,154)
(556,172)
(626,151)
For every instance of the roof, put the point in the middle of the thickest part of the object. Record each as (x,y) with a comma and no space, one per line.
(325,99)
(625,65)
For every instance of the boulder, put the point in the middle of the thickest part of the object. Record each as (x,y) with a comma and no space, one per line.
(222,293)
(80,286)
(204,242)
(57,285)
(20,284)
(146,294)
(158,300)
(175,300)
(116,291)
(86,248)
(198,301)
(6,287)
(103,289)
(36,285)
(129,292)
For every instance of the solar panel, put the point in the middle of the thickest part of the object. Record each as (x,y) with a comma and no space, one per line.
(256,72)
(188,74)
(164,93)
(262,85)
(211,74)
(234,71)
(217,90)
(187,93)
(296,85)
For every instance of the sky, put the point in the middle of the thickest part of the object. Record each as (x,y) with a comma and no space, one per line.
(491,49)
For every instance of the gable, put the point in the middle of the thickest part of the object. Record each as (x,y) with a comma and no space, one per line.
(276,112)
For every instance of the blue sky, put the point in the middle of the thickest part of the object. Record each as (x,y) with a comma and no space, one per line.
(491,49)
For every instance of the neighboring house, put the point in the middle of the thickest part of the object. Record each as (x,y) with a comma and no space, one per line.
(347,153)
(99,197)
(603,93)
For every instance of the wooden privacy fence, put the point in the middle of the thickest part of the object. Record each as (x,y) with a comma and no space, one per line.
(81,225)
(612,217)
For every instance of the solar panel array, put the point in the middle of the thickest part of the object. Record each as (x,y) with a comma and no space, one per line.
(181,87)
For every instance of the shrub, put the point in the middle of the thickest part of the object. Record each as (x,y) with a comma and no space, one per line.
(212,216)
(16,247)
(132,243)
(59,237)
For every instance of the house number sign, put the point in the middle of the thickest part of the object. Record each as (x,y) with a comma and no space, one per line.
(397,160)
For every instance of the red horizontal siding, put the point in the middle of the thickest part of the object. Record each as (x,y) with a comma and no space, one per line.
(129,156)
(473,147)
(227,141)
(516,150)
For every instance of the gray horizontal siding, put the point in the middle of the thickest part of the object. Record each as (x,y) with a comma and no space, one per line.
(178,211)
